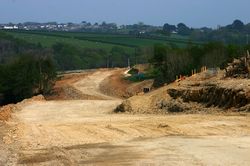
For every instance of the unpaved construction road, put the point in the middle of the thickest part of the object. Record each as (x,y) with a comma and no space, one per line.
(86,132)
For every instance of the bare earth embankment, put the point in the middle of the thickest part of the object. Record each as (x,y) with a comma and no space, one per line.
(87,132)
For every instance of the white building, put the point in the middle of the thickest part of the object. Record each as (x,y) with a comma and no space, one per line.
(10,27)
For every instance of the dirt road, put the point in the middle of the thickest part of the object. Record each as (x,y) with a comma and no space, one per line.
(86,132)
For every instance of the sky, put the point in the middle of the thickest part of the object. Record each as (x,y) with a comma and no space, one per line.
(194,13)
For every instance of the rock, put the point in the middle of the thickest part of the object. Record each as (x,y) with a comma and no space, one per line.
(124,107)
(173,107)
(163,126)
(174,93)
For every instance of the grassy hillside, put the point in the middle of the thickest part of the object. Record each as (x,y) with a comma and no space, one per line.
(49,39)
(79,50)
(97,40)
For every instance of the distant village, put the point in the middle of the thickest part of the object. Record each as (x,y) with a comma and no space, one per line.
(237,32)
(83,26)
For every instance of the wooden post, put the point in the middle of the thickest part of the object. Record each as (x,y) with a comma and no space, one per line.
(247,60)
(128,63)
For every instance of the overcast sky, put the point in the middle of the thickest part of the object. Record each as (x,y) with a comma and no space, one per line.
(195,13)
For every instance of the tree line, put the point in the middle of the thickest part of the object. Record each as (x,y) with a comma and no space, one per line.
(26,76)
(69,57)
(235,33)
(25,70)
(169,62)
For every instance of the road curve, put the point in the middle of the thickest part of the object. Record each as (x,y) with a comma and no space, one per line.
(86,132)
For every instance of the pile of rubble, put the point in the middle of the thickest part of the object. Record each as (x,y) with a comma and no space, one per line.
(239,68)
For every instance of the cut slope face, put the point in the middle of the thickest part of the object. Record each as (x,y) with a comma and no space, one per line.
(216,94)
(116,85)
(199,93)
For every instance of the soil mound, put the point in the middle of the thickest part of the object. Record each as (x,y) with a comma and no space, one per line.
(5,111)
(196,94)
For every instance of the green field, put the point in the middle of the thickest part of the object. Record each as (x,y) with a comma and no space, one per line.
(95,40)
(48,41)
(126,40)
